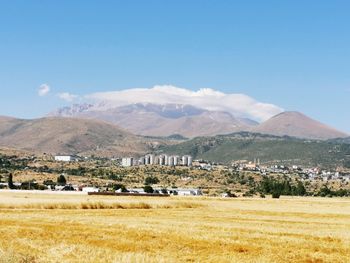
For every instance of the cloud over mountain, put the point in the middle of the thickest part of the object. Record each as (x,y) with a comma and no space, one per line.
(67,96)
(237,104)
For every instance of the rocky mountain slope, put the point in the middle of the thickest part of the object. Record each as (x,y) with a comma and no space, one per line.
(298,125)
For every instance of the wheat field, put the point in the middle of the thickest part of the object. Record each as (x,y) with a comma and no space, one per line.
(79,228)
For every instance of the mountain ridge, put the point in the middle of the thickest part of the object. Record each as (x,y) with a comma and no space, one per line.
(149,119)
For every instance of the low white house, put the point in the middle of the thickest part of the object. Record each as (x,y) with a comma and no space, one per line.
(171,191)
(185,191)
(90,189)
(65,158)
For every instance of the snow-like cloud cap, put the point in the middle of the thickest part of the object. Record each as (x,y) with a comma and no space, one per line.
(67,96)
(239,105)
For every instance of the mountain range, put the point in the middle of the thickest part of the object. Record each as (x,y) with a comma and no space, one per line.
(139,128)
(151,119)
(58,135)
(161,120)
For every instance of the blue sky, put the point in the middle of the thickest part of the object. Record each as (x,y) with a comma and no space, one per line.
(294,54)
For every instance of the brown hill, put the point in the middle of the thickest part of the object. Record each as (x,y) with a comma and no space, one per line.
(69,136)
(298,125)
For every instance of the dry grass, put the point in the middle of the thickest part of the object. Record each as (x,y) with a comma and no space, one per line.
(173,229)
(87,205)
(25,200)
(99,205)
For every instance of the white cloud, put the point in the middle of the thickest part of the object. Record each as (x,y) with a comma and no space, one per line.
(238,104)
(43,90)
(67,96)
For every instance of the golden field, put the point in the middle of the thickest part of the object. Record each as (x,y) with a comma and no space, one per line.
(80,228)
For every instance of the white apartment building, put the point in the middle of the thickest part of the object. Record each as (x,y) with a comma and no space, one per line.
(127,161)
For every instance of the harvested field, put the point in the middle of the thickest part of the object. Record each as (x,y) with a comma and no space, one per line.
(81,228)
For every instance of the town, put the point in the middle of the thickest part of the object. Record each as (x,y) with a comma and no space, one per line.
(151,159)
(165,174)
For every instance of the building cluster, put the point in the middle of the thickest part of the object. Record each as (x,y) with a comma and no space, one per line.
(170,191)
(313,174)
(163,159)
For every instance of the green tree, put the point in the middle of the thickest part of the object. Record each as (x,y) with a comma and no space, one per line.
(61,180)
(151,180)
(148,189)
(10,182)
(276,194)
(300,189)
(121,187)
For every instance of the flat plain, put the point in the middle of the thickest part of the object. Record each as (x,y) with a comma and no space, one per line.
(80,228)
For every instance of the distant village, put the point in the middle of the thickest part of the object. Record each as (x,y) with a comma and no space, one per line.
(148,159)
(178,164)
(242,165)
(305,174)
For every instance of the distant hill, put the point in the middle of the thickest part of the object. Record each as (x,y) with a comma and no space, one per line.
(268,148)
(161,120)
(70,136)
(298,125)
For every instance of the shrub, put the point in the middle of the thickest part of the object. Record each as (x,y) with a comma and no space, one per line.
(276,195)
(247,194)
(121,187)
(230,194)
(148,189)
(151,180)
(42,187)
(49,182)
(61,180)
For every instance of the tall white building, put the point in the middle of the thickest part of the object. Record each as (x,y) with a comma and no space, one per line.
(150,159)
(142,161)
(171,161)
(184,160)
(127,162)
(176,160)
(187,160)
(147,160)
(162,159)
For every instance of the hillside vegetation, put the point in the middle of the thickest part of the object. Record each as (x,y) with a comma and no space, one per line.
(268,148)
